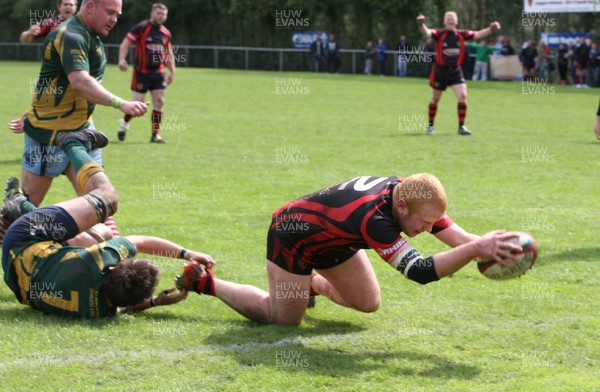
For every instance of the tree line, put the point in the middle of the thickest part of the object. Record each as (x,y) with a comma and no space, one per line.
(261,23)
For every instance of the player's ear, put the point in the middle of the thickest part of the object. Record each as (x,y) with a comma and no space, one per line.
(402,206)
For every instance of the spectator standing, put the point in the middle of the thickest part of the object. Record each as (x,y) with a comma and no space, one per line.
(318,52)
(543,65)
(482,57)
(507,49)
(582,57)
(562,60)
(369,54)
(333,49)
(402,64)
(594,65)
(381,56)
(528,57)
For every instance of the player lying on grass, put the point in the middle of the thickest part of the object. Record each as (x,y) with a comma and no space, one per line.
(48,274)
(328,230)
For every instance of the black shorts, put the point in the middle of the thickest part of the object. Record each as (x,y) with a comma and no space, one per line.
(142,82)
(288,253)
(442,77)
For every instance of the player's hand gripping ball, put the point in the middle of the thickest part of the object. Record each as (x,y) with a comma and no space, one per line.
(524,261)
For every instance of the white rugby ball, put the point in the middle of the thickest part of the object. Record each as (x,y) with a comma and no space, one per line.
(524,261)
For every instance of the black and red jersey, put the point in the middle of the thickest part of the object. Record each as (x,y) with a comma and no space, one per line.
(344,218)
(152,44)
(450,46)
(47,26)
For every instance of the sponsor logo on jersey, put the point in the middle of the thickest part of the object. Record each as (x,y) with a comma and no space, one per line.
(452,52)
(391,249)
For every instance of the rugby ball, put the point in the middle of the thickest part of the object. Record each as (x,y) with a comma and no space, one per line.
(524,261)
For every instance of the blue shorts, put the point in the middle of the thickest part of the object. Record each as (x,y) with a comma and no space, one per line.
(49,161)
(45,224)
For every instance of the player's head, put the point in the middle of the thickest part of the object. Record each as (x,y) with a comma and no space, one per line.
(101,15)
(450,20)
(158,15)
(66,8)
(419,201)
(130,282)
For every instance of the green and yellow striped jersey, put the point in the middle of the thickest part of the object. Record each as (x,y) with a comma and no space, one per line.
(65,280)
(56,107)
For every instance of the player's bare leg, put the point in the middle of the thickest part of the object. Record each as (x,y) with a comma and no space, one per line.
(285,303)
(35,186)
(124,122)
(460,90)
(158,101)
(352,284)
(436,95)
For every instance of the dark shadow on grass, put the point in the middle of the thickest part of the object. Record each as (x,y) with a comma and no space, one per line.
(244,332)
(333,362)
(29,315)
(285,348)
(26,315)
(581,254)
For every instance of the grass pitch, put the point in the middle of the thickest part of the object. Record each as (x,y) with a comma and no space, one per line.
(240,144)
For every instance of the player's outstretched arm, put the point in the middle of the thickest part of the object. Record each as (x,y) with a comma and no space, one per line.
(166,297)
(89,88)
(493,245)
(422,27)
(484,33)
(165,248)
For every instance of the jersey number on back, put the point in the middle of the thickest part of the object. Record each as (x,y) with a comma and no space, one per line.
(361,185)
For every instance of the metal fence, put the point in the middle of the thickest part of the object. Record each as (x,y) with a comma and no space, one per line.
(264,59)
(267,59)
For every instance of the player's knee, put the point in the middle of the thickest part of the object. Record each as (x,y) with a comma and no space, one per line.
(159,102)
(462,97)
(105,202)
(113,201)
(370,306)
(111,196)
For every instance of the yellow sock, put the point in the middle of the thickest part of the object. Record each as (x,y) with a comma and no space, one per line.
(86,171)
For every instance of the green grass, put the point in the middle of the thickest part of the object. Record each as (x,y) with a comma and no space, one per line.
(221,164)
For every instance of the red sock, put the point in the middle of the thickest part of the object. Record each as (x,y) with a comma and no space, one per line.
(112,225)
(432,112)
(312,292)
(462,113)
(156,119)
(206,285)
